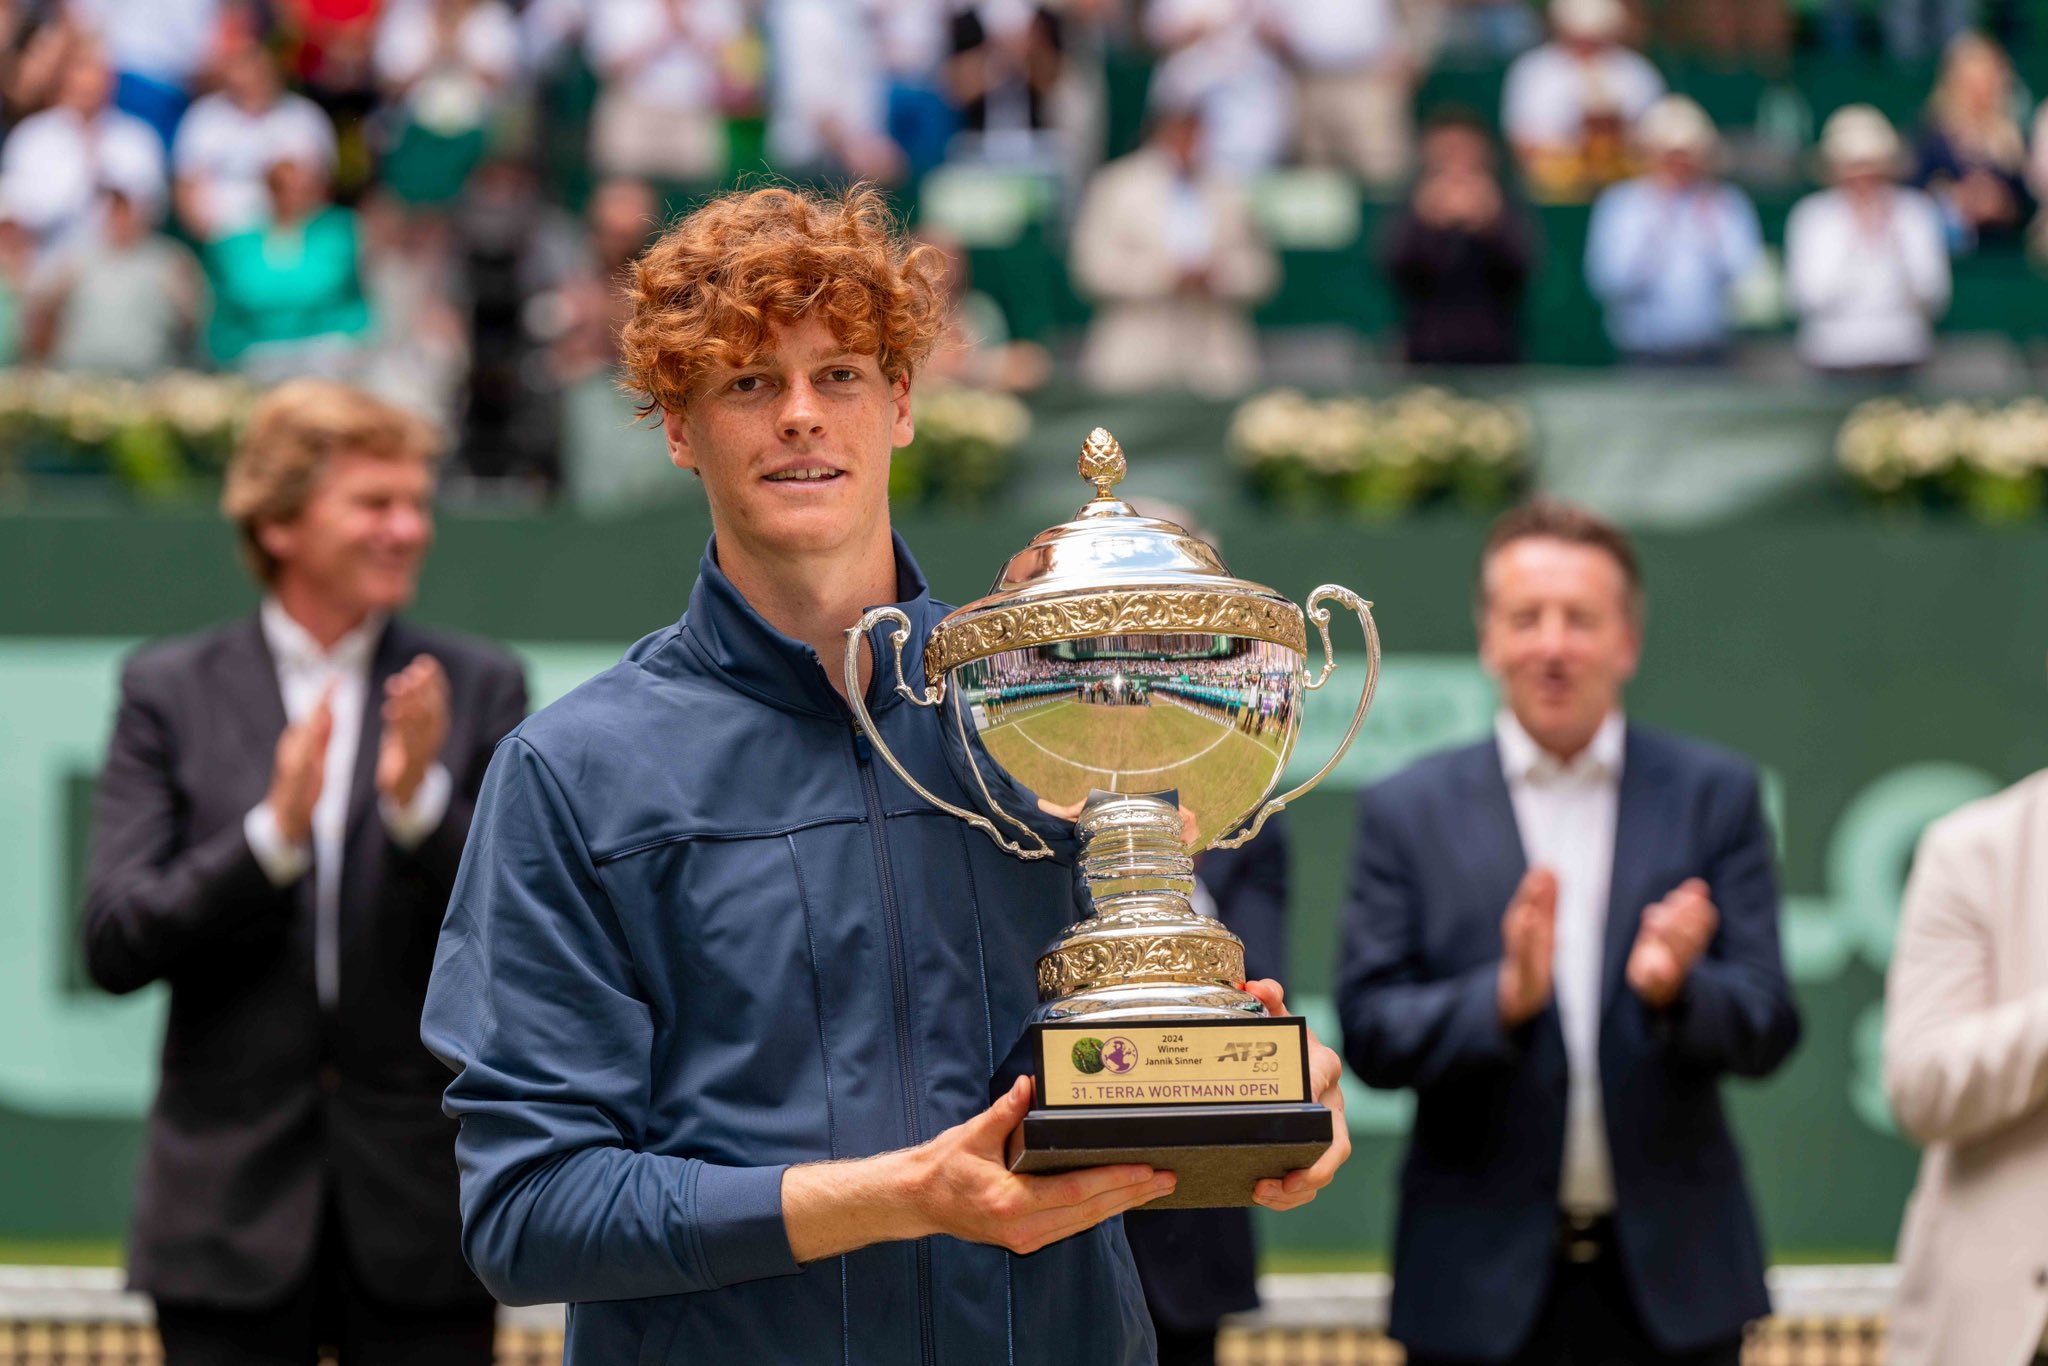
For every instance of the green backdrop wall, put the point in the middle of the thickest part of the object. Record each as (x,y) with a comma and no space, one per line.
(1880,674)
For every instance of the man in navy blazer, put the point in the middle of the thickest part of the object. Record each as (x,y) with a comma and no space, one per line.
(1561,938)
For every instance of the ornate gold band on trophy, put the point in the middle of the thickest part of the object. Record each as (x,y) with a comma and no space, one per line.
(1120,675)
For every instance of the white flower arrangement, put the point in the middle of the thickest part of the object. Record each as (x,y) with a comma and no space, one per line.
(1381,456)
(152,436)
(965,443)
(1991,460)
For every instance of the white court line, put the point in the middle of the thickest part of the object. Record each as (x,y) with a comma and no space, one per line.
(1018,726)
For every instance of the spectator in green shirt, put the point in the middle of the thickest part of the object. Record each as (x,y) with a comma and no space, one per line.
(288,295)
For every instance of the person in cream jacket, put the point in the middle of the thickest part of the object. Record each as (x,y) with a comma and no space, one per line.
(1966,1068)
(1173,262)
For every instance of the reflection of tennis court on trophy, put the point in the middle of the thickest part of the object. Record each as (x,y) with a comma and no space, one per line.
(1062,749)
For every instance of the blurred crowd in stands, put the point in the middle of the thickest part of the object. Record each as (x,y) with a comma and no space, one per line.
(399,192)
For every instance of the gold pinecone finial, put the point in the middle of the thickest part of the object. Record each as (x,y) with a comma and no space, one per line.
(1102,461)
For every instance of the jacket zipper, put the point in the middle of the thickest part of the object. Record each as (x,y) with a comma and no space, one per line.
(892,923)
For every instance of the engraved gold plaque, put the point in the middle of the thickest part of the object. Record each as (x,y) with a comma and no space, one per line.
(1180,1062)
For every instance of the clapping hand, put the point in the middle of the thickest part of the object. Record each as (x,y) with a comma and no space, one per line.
(1528,936)
(1675,933)
(298,771)
(415,726)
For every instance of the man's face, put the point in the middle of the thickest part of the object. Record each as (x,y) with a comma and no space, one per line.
(249,78)
(1455,147)
(1681,167)
(1557,634)
(361,538)
(87,83)
(794,449)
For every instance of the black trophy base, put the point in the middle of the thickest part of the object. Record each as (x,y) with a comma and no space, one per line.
(1218,1152)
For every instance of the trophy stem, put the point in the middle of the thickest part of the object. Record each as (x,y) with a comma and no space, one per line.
(1145,953)
(1132,857)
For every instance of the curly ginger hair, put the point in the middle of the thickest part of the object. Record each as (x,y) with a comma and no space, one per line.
(711,288)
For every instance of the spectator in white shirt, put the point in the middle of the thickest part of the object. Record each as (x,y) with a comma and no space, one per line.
(1866,262)
(447,59)
(1215,59)
(659,116)
(231,136)
(828,92)
(1353,81)
(1665,249)
(157,49)
(54,164)
(1567,106)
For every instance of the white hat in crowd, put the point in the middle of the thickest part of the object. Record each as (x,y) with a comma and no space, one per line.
(1857,135)
(1676,124)
(1589,18)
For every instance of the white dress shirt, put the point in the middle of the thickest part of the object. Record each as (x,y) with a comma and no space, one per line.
(1565,813)
(304,671)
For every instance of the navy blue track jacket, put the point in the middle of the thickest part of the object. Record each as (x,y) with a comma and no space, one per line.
(701,933)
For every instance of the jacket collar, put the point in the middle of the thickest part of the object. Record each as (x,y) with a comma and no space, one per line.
(759,660)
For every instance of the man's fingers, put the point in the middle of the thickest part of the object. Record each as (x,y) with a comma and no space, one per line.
(1269,993)
(423,674)
(1541,943)
(1299,1187)
(1538,891)
(1079,1189)
(1653,971)
(1325,1070)
(993,1125)
(1064,1221)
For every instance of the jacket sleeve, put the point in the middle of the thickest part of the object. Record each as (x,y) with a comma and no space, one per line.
(534,1003)
(1242,269)
(1735,1012)
(1116,255)
(502,706)
(1959,1064)
(150,898)
(1402,1026)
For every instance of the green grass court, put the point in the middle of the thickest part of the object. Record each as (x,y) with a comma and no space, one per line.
(1062,749)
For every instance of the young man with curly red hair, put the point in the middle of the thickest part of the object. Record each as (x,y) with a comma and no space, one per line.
(723,994)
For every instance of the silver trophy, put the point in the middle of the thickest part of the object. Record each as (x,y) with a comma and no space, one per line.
(1119,674)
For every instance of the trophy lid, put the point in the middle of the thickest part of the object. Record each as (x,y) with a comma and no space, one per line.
(1111,571)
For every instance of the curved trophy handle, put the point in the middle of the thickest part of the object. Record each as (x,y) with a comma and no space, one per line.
(1321,617)
(931,697)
